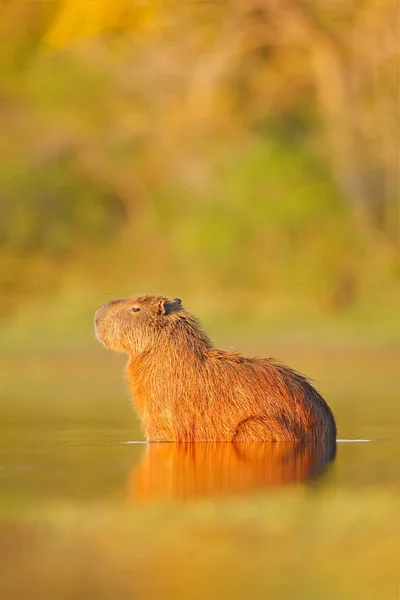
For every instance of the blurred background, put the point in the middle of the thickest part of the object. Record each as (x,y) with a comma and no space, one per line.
(242,155)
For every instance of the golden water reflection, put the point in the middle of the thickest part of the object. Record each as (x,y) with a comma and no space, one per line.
(193,470)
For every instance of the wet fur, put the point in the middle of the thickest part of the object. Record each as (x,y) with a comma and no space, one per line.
(185,390)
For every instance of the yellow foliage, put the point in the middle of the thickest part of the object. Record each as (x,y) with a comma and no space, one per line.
(80,19)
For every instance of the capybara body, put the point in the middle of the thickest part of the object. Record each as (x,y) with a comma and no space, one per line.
(185,390)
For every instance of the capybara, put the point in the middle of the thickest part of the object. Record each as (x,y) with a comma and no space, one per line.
(185,471)
(186,390)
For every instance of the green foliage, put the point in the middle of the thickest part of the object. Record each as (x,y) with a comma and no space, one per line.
(50,209)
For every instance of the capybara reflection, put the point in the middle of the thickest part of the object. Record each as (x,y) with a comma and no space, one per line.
(185,390)
(186,471)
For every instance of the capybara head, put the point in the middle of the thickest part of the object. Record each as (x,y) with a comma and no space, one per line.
(133,325)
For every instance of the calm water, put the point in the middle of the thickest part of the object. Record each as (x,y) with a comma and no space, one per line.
(89,511)
(72,465)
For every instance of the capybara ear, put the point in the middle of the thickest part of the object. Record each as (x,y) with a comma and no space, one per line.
(165,307)
(161,307)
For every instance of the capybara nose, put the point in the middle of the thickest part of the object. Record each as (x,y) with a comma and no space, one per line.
(100,312)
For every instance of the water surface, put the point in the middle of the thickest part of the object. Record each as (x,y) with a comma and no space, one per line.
(89,511)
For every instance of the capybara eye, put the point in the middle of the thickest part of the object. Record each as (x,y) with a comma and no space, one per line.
(135,309)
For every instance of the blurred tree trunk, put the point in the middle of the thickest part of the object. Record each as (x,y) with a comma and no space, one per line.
(358,108)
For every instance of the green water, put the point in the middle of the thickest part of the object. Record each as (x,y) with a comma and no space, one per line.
(89,511)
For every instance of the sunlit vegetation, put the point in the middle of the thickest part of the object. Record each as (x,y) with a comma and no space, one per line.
(239,149)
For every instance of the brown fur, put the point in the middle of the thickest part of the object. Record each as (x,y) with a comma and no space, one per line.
(185,471)
(185,390)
